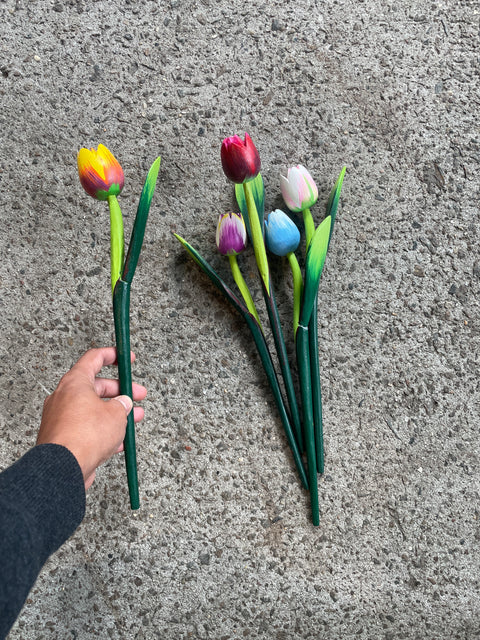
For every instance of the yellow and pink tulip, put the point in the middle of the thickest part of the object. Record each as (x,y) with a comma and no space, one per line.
(101,175)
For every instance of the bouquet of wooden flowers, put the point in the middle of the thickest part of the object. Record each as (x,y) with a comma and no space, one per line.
(277,233)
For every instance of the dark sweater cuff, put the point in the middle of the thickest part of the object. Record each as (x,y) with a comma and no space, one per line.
(48,485)
(42,502)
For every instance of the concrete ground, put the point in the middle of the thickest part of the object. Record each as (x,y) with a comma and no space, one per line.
(222,547)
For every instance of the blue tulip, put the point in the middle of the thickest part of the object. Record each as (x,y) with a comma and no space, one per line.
(281,233)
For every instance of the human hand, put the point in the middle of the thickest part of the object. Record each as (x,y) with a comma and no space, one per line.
(86,415)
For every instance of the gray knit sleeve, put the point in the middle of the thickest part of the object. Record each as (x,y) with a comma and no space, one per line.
(42,502)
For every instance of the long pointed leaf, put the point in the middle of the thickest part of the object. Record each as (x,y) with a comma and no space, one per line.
(316,254)
(213,275)
(138,231)
(334,197)
(258,192)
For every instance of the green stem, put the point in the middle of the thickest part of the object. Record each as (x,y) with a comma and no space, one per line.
(262,264)
(117,247)
(309,226)
(257,237)
(281,350)
(121,315)
(303,360)
(314,362)
(262,347)
(297,288)
(266,358)
(242,285)
(316,388)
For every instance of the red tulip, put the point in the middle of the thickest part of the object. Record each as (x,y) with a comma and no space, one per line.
(240,159)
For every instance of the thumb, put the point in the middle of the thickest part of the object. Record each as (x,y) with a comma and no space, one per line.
(126,402)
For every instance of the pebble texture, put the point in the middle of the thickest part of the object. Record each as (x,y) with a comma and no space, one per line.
(222,547)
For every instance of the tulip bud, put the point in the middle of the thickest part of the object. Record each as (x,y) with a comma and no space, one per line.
(240,159)
(231,234)
(281,233)
(100,172)
(298,189)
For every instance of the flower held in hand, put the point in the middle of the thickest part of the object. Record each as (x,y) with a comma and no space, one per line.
(100,172)
(298,189)
(240,159)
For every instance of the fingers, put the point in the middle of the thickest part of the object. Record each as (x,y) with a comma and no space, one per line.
(125,401)
(93,360)
(138,414)
(106,388)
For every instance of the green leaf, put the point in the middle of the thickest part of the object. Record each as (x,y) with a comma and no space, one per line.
(214,277)
(258,192)
(139,225)
(334,197)
(257,234)
(314,266)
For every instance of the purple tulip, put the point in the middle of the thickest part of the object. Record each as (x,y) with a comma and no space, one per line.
(231,234)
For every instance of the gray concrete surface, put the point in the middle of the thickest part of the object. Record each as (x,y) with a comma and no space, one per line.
(222,547)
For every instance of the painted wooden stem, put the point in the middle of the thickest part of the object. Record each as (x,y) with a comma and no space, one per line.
(303,360)
(121,315)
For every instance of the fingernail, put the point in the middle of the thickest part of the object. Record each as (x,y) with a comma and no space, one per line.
(126,401)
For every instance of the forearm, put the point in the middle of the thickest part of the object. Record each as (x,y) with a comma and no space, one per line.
(42,502)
